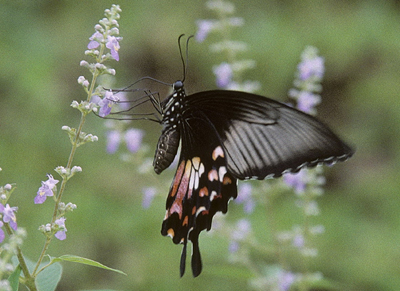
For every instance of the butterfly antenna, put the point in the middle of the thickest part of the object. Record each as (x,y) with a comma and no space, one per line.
(182,59)
(141,79)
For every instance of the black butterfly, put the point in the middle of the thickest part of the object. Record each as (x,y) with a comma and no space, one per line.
(225,136)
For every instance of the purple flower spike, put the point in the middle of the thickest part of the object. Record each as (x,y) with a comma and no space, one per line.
(61,235)
(311,67)
(9,215)
(113,45)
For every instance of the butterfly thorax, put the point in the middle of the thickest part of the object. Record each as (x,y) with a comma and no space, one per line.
(168,142)
(172,106)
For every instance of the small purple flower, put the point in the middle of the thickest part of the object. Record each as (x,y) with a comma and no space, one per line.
(298,240)
(297,181)
(113,141)
(245,198)
(123,101)
(61,235)
(285,280)
(94,40)
(311,67)
(243,228)
(224,74)
(95,99)
(133,139)
(106,103)
(204,28)
(306,101)
(2,235)
(113,45)
(9,215)
(233,247)
(45,190)
(148,196)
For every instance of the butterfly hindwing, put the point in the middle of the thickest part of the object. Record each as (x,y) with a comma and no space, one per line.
(201,187)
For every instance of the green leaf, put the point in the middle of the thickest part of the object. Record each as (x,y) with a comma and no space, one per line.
(14,278)
(48,279)
(80,260)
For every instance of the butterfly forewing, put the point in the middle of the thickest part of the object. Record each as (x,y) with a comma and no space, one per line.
(265,138)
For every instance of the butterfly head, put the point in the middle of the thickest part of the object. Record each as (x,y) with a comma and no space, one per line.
(178,85)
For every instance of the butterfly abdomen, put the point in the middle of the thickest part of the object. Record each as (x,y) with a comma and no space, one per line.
(167,147)
(168,142)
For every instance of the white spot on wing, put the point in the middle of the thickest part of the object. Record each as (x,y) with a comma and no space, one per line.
(218,152)
(202,208)
(221,173)
(201,169)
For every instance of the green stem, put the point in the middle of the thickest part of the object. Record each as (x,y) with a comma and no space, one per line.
(30,280)
(64,181)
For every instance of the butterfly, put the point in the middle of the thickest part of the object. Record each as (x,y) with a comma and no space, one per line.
(227,136)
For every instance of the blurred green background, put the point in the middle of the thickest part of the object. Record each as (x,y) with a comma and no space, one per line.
(41,45)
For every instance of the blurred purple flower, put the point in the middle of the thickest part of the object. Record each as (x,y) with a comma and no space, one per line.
(296,180)
(233,247)
(244,197)
(9,215)
(94,40)
(148,196)
(106,103)
(45,190)
(242,230)
(2,235)
(311,67)
(95,99)
(306,101)
(224,74)
(123,101)
(286,279)
(133,139)
(204,28)
(113,45)
(298,240)
(61,235)
(113,141)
